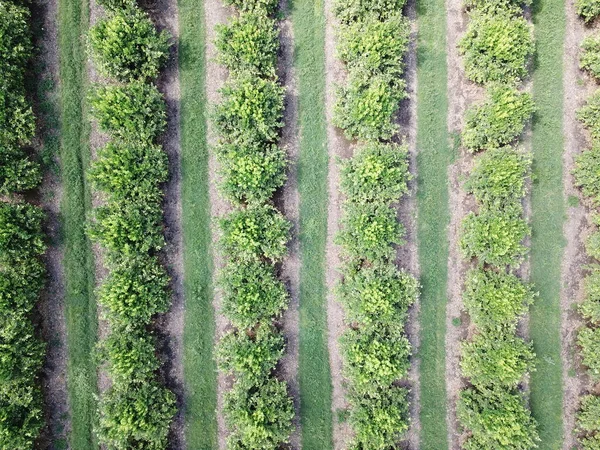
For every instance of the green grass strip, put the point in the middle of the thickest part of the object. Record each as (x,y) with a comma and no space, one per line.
(548,215)
(200,370)
(81,319)
(308,19)
(434,156)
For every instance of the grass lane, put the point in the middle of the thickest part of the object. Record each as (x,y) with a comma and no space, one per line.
(434,156)
(81,319)
(548,215)
(199,366)
(308,19)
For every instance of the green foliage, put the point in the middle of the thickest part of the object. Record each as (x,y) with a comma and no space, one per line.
(494,239)
(366,106)
(251,110)
(135,291)
(588,422)
(248,43)
(378,173)
(589,115)
(21,236)
(264,7)
(136,415)
(379,419)
(589,58)
(374,46)
(378,295)
(369,231)
(375,357)
(588,9)
(499,120)
(118,5)
(126,46)
(587,173)
(18,173)
(496,301)
(496,360)
(255,233)
(251,293)
(260,416)
(251,171)
(496,420)
(497,6)
(134,111)
(250,355)
(590,308)
(592,244)
(357,10)
(497,48)
(588,340)
(498,180)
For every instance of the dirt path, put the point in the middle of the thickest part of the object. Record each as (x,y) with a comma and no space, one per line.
(576,90)
(407,256)
(51,307)
(216,13)
(461,95)
(170,325)
(290,208)
(338,147)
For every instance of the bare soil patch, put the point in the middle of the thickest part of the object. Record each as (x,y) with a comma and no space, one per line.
(577,88)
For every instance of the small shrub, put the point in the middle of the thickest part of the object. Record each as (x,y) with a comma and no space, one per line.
(265,7)
(496,420)
(252,109)
(127,47)
(249,42)
(378,173)
(493,7)
(378,295)
(498,180)
(589,59)
(379,419)
(366,106)
(588,422)
(499,120)
(21,236)
(587,173)
(374,46)
(497,48)
(251,293)
(118,5)
(496,360)
(375,357)
(590,308)
(22,417)
(136,416)
(589,115)
(18,173)
(15,41)
(250,355)
(369,231)
(255,233)
(496,300)
(251,171)
(259,417)
(592,244)
(349,11)
(589,341)
(588,9)
(133,111)
(494,238)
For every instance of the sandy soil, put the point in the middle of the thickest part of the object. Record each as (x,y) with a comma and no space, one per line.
(170,325)
(461,95)
(576,91)
(216,13)
(51,307)
(407,256)
(289,204)
(338,147)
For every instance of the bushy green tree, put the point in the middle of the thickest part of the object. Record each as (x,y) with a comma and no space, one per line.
(590,308)
(587,173)
(496,301)
(588,422)
(349,11)
(588,340)
(378,173)
(133,111)
(589,58)
(497,47)
(126,46)
(589,115)
(497,6)
(588,9)
(499,119)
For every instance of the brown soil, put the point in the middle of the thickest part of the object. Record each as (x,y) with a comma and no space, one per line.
(338,147)
(216,13)
(170,325)
(51,307)
(289,204)
(461,95)
(576,91)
